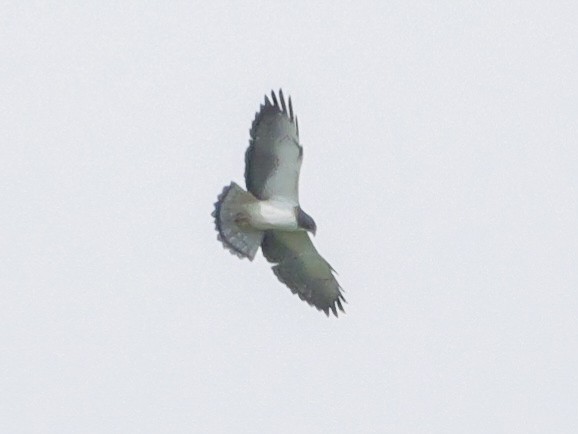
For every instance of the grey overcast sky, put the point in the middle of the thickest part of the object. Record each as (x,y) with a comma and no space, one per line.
(440,165)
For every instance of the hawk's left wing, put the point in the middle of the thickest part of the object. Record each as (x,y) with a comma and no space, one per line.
(273,159)
(303,270)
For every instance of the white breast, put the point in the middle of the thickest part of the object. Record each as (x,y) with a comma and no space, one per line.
(273,214)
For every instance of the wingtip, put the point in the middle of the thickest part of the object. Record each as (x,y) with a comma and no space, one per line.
(282,100)
(334,310)
(291,116)
(274,97)
(340,306)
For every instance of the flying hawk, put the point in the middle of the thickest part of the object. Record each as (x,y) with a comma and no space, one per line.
(269,215)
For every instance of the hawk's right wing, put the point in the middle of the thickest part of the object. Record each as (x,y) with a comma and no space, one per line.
(303,270)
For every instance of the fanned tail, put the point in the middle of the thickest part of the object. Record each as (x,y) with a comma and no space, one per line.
(232,223)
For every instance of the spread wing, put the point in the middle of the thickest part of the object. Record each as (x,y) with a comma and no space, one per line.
(273,159)
(303,270)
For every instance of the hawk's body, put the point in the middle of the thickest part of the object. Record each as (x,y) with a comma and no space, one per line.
(269,215)
(273,214)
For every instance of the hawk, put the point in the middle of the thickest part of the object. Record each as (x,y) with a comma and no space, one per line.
(269,216)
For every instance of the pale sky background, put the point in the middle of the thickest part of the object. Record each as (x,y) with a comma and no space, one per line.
(441,166)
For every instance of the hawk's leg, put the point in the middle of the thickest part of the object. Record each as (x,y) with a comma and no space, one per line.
(242,220)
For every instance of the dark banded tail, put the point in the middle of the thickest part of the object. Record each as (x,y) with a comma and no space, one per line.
(232,223)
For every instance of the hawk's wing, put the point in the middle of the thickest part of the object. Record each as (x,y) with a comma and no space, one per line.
(302,269)
(273,159)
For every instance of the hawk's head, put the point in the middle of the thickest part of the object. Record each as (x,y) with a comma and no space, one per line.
(305,221)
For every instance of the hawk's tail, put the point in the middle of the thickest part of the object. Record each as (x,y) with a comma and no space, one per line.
(232,222)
